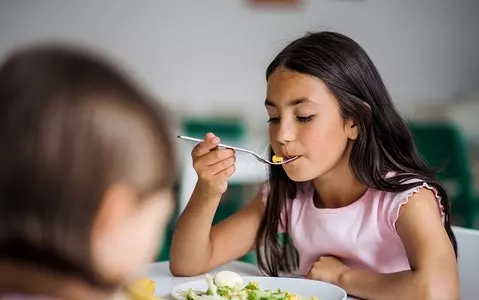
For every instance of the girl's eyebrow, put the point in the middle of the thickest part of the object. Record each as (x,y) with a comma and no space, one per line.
(293,102)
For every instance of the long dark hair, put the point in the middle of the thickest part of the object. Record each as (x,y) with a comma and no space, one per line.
(69,128)
(384,145)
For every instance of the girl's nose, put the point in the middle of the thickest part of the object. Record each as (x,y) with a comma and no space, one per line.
(286,133)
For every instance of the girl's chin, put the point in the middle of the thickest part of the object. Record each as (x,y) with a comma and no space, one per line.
(299,175)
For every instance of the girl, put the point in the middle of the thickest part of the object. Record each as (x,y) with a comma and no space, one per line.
(84,191)
(358,208)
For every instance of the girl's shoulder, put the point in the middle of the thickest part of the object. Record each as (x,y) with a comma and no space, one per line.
(389,203)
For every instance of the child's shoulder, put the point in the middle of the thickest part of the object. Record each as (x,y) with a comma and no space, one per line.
(389,203)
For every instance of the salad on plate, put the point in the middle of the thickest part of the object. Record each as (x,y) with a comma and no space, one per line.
(227,285)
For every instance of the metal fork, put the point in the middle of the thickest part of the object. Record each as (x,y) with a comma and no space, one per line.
(257,156)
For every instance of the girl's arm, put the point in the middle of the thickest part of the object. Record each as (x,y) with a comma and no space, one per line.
(431,256)
(198,247)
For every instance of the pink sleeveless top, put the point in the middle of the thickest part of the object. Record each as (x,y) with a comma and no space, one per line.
(362,234)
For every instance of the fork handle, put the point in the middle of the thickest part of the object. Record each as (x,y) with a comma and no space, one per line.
(188,138)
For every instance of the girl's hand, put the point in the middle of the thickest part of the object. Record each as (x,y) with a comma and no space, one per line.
(328,269)
(214,166)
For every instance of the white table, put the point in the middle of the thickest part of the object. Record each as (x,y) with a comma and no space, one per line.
(164,281)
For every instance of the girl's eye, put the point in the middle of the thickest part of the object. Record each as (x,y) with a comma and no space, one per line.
(273,120)
(304,119)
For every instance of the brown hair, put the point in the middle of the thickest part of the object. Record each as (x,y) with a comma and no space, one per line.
(70,127)
(385,143)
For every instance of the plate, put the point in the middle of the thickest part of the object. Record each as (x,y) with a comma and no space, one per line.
(299,286)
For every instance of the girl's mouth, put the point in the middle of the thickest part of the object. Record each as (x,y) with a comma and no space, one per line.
(293,157)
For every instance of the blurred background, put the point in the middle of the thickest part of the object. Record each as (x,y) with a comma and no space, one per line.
(206,61)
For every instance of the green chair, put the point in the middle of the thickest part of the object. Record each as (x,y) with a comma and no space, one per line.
(228,129)
(231,203)
(443,146)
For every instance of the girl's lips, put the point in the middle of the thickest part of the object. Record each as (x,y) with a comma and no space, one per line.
(292,156)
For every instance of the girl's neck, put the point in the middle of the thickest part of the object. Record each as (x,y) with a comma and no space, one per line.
(338,188)
(17,278)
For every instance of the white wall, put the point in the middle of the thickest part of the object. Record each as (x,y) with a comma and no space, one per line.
(215,52)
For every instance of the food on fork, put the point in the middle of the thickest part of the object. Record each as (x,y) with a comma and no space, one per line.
(277,158)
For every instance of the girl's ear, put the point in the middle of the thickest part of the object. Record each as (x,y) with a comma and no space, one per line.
(352,129)
(117,204)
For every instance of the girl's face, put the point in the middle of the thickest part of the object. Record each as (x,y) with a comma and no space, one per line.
(128,232)
(305,121)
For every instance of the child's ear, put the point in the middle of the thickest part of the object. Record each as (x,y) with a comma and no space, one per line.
(352,129)
(115,207)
